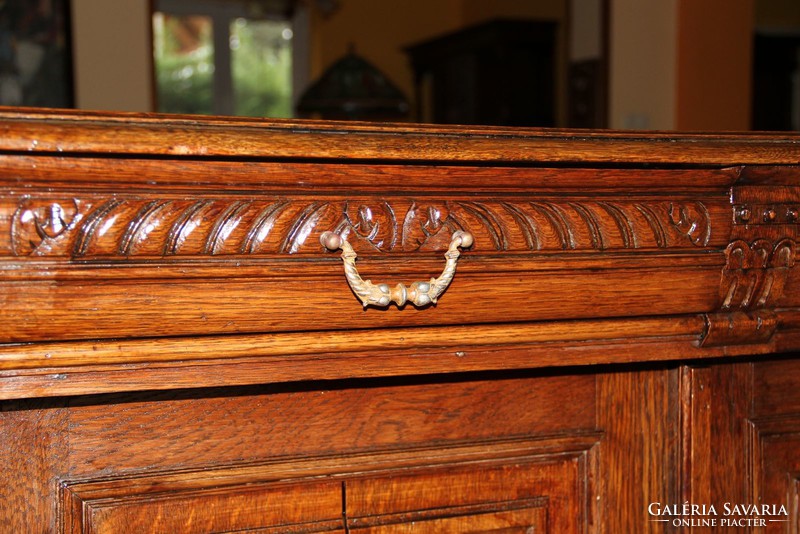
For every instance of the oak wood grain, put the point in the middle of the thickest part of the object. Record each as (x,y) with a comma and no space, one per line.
(152,308)
(301,508)
(193,432)
(639,413)
(382,504)
(775,382)
(85,132)
(55,381)
(415,342)
(774,467)
(33,454)
(37,173)
(161,280)
(311,481)
(715,403)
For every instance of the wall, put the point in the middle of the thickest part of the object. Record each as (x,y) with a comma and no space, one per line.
(586,30)
(672,62)
(777,15)
(681,64)
(714,56)
(379,34)
(642,66)
(112,54)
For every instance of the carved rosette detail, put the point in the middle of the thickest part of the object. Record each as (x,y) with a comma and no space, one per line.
(131,226)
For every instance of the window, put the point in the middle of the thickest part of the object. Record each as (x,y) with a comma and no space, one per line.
(224,58)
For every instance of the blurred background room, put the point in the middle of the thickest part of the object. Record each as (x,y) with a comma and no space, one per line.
(665,65)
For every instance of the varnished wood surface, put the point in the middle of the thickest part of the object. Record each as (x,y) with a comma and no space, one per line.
(190,359)
(634,405)
(367,416)
(153,308)
(67,368)
(140,176)
(169,453)
(34,452)
(117,133)
(551,462)
(292,509)
(213,231)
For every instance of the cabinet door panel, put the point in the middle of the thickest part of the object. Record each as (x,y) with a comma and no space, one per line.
(108,508)
(548,494)
(523,521)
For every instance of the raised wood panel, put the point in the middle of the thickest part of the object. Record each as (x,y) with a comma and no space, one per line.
(715,405)
(168,431)
(777,385)
(298,508)
(322,494)
(34,452)
(471,498)
(748,411)
(530,517)
(775,470)
(530,483)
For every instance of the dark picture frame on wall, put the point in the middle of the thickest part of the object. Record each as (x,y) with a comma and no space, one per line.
(36,54)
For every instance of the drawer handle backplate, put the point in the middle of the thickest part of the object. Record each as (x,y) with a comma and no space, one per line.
(381,295)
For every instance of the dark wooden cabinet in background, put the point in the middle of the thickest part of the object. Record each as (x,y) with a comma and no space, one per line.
(501,72)
(181,354)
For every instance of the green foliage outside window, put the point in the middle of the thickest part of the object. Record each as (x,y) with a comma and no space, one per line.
(261,66)
(184,64)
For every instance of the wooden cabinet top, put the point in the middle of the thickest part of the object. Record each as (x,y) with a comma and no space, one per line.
(69,132)
(157,252)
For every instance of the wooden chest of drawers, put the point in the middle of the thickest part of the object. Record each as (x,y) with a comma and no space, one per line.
(180,353)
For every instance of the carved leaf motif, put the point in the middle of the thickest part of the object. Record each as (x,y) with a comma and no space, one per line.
(693,221)
(375,223)
(426,226)
(131,226)
(36,226)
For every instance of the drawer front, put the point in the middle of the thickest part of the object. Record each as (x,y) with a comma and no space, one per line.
(136,267)
(192,248)
(210,273)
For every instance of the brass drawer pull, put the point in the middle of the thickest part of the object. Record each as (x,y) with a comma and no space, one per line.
(419,293)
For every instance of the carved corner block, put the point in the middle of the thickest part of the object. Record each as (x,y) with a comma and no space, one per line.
(755,272)
(758,261)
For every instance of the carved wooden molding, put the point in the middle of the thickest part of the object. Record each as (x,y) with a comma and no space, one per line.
(753,278)
(755,273)
(126,226)
(738,328)
(774,213)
